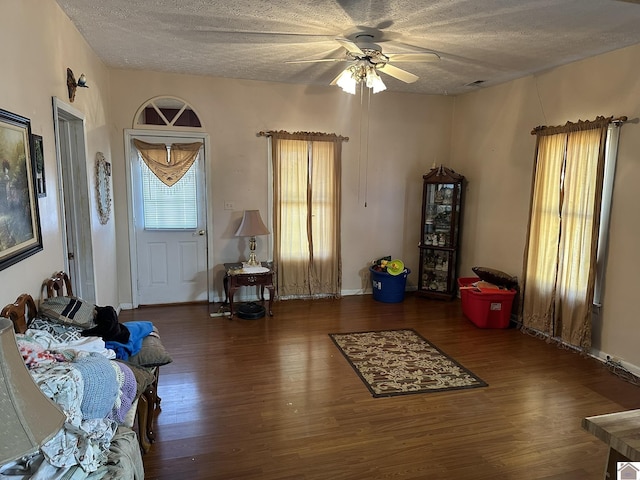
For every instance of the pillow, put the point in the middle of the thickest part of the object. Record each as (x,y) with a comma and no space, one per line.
(496,277)
(68,311)
(152,353)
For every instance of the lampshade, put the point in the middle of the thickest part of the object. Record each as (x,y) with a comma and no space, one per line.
(27,416)
(361,72)
(346,82)
(251,225)
(374,81)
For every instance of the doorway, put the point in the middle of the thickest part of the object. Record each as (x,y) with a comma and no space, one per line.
(75,201)
(168,244)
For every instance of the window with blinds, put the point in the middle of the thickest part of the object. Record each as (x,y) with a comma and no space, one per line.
(169,208)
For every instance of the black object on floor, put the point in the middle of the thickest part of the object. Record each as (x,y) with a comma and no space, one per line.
(250,311)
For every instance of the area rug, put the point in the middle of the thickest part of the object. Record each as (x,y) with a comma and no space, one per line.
(402,362)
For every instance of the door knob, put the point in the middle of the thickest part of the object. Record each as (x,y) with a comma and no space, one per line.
(201,233)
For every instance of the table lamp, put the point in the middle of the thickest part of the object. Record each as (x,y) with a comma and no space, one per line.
(252,226)
(28,417)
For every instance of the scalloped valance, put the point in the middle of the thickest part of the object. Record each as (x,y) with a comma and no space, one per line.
(312,136)
(599,122)
(168,164)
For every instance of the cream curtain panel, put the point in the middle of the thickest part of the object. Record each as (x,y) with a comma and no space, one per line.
(168,164)
(560,257)
(306,213)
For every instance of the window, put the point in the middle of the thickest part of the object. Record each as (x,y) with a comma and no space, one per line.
(306,214)
(169,208)
(567,226)
(166,112)
(611,155)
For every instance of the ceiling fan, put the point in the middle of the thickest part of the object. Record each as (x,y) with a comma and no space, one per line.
(366,58)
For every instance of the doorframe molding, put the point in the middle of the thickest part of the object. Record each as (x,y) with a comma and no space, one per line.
(131,133)
(82,272)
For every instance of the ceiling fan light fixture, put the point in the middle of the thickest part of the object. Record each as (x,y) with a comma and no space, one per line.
(350,77)
(373,81)
(347,82)
(378,85)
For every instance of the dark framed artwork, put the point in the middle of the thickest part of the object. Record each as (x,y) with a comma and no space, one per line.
(38,156)
(20,235)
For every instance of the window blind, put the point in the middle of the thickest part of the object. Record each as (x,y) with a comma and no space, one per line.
(169,208)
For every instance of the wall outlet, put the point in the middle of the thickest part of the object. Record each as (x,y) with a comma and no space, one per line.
(228,205)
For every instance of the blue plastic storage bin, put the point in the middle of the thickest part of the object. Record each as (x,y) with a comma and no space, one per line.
(388,288)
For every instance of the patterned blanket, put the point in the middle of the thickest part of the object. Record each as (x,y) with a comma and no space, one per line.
(93,391)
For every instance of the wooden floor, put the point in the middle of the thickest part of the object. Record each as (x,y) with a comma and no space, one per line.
(274,399)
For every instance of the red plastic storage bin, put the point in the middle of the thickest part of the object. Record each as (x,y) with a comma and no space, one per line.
(486,309)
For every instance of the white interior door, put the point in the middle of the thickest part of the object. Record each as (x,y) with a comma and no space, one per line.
(170,231)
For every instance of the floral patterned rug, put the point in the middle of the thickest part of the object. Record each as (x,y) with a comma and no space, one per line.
(401,362)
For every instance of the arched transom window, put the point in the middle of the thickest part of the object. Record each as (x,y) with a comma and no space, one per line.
(166,112)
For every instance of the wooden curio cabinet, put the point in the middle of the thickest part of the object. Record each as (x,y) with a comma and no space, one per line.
(440,232)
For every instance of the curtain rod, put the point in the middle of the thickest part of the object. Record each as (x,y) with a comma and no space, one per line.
(271,133)
(580,124)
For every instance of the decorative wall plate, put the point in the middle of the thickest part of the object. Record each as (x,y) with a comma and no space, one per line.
(103,187)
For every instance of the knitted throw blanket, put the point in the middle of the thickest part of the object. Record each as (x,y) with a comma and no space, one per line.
(100,385)
(127,391)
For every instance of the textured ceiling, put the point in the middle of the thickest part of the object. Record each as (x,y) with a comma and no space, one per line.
(478,40)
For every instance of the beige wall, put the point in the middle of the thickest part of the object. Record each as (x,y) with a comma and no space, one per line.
(39,43)
(405,134)
(493,147)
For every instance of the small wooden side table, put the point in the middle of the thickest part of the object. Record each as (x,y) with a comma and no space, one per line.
(621,431)
(234,278)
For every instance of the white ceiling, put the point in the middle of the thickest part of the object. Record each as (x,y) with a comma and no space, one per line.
(478,40)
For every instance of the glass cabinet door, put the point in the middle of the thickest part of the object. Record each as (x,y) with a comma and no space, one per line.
(442,198)
(437,266)
(441,211)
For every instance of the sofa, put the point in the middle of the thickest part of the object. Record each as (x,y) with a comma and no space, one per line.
(103,375)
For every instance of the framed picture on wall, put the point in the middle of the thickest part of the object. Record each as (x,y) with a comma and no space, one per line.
(38,155)
(20,235)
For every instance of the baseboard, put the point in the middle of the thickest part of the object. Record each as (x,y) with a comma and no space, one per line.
(614,360)
(616,364)
(125,306)
(348,293)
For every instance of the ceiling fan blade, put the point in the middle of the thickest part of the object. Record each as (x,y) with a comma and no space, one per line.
(413,57)
(247,36)
(398,73)
(223,29)
(319,60)
(349,45)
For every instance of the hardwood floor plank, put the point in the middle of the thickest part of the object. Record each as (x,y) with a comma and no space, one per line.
(273,398)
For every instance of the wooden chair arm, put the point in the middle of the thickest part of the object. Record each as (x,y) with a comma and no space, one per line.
(20,312)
